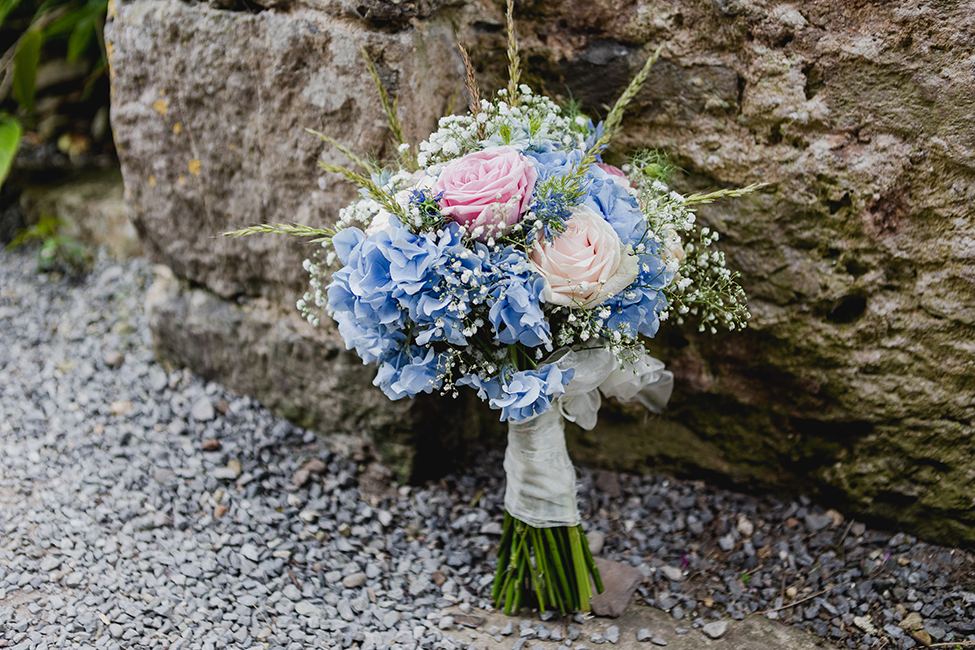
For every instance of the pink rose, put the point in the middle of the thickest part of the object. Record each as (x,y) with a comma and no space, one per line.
(612,170)
(487,191)
(585,265)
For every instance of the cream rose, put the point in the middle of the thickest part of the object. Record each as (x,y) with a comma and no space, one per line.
(379,223)
(585,265)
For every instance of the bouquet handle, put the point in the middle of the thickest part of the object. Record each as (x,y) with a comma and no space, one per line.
(542,546)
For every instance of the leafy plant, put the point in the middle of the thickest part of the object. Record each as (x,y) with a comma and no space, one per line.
(58,252)
(40,30)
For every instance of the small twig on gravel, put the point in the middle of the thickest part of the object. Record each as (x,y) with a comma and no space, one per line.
(751,571)
(798,602)
(845,533)
(294,579)
(953,644)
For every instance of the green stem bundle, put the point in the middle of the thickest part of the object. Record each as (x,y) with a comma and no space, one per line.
(554,563)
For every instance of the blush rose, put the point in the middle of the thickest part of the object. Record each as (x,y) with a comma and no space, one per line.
(487,191)
(618,176)
(585,265)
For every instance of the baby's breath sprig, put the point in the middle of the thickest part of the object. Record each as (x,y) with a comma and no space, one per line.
(706,289)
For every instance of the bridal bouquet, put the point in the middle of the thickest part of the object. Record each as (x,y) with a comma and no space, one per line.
(504,255)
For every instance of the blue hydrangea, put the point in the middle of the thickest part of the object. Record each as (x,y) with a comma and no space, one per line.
(595,132)
(370,319)
(453,283)
(635,308)
(554,163)
(371,342)
(392,278)
(524,394)
(516,301)
(516,313)
(410,372)
(413,260)
(617,205)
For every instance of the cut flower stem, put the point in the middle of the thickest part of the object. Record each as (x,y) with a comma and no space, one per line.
(554,563)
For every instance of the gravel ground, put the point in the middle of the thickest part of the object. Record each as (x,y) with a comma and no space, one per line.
(141,509)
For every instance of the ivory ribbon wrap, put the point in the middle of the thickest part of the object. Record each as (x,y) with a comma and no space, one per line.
(641,380)
(541,482)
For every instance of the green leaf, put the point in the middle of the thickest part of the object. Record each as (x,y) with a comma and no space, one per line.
(9,141)
(69,22)
(6,6)
(92,78)
(80,38)
(25,68)
(65,23)
(46,6)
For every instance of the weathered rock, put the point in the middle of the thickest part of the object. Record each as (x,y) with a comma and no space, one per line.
(92,208)
(202,410)
(305,374)
(672,573)
(619,583)
(855,376)
(595,539)
(715,629)
(315,466)
(210,109)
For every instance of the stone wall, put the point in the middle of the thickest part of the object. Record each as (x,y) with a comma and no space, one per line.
(856,378)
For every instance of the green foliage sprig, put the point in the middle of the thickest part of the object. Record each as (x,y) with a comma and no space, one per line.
(58,252)
(514,59)
(711,197)
(52,20)
(363,180)
(392,116)
(314,235)
(611,126)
